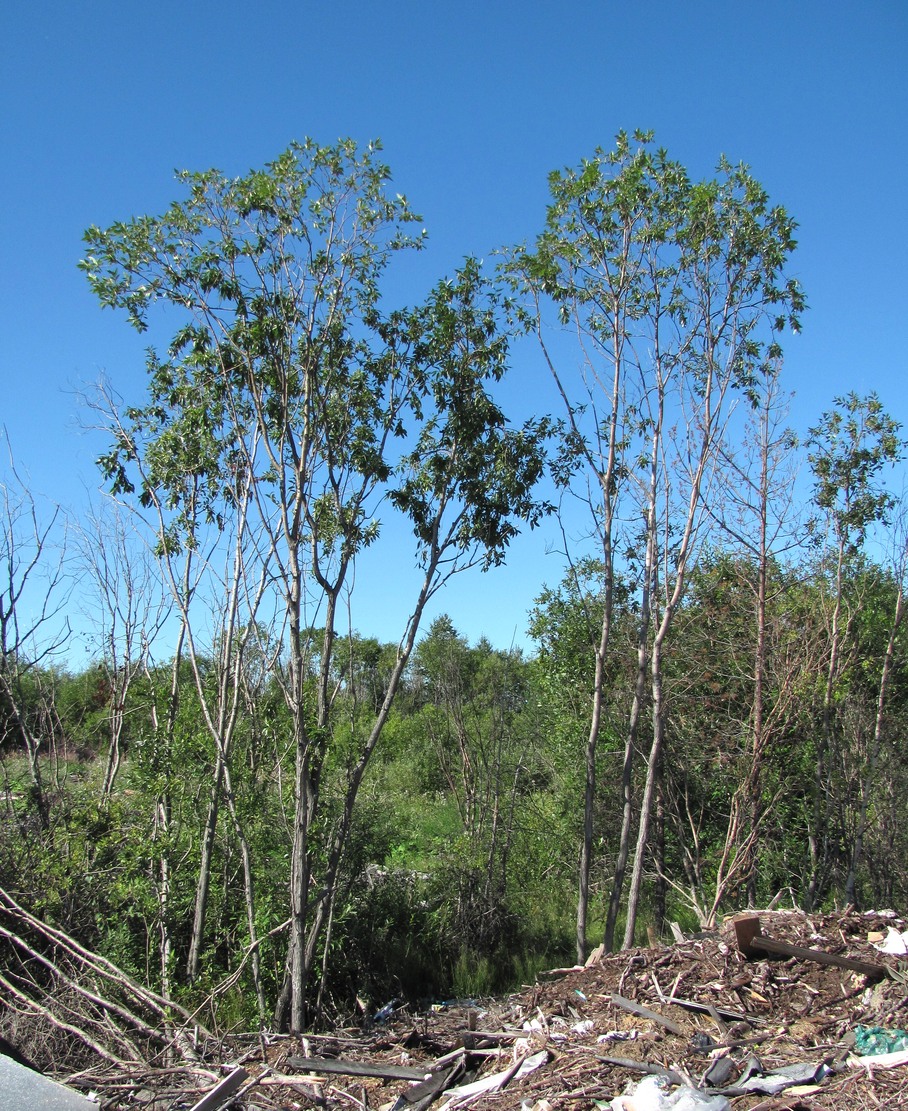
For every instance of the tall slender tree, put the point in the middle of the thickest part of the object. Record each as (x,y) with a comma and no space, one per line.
(675,291)
(291,381)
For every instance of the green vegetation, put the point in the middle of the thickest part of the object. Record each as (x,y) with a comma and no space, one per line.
(279,819)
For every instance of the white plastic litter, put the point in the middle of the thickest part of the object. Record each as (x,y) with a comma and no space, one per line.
(652,1094)
(530,1064)
(896,943)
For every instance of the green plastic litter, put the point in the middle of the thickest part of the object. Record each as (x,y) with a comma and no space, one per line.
(870,1041)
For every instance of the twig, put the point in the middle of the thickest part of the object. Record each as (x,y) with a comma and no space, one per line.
(53,1019)
(347,1095)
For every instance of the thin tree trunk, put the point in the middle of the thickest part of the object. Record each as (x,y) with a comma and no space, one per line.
(630,744)
(818,834)
(249,897)
(868,777)
(649,789)
(660,891)
(203,883)
(643,662)
(589,803)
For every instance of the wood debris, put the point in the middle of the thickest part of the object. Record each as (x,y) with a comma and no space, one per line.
(768,1031)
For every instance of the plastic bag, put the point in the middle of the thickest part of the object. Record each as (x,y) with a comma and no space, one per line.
(653,1094)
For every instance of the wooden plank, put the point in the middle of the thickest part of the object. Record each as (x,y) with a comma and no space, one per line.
(645,1012)
(749,936)
(633,1065)
(357,1068)
(704,1008)
(420,1097)
(222,1092)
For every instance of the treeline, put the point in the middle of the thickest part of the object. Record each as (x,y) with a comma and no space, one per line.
(288,819)
(459,874)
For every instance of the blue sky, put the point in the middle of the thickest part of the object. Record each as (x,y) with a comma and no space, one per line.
(475,103)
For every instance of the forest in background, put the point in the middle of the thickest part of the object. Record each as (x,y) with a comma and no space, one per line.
(280,820)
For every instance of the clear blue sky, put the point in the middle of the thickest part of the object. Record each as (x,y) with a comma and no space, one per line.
(475,103)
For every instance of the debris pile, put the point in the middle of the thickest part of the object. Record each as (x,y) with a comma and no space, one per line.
(708,1023)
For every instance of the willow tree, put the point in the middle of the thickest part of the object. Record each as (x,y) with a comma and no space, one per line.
(288,379)
(672,292)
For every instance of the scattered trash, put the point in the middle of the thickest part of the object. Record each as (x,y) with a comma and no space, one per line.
(702,1043)
(895,942)
(880,1061)
(384,1013)
(755,1079)
(695,1017)
(652,1094)
(720,1072)
(531,1064)
(870,1041)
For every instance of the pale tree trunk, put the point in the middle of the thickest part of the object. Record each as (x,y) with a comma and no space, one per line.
(300,954)
(631,740)
(649,787)
(754,782)
(649,584)
(608,488)
(248,895)
(819,830)
(162,830)
(206,857)
(705,423)
(220,710)
(589,803)
(603,455)
(313,912)
(869,774)
(163,813)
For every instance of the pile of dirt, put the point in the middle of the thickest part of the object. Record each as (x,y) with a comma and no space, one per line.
(765,1031)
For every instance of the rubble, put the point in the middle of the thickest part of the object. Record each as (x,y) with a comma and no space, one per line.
(705,1021)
